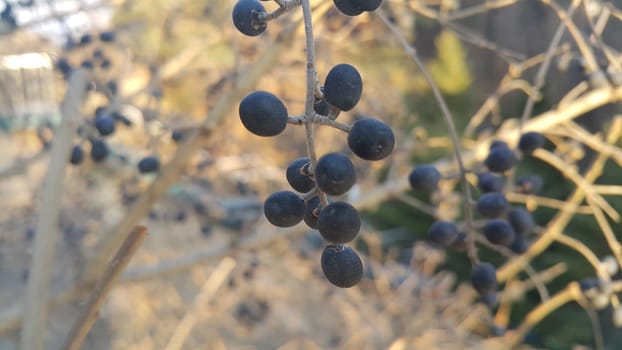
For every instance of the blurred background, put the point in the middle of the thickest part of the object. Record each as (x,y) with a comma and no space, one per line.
(160,66)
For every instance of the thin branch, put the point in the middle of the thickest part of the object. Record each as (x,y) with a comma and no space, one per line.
(310,92)
(570,293)
(89,314)
(563,217)
(466,189)
(587,253)
(35,302)
(209,289)
(573,174)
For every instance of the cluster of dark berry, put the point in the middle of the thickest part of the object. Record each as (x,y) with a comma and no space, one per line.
(106,118)
(502,225)
(263,114)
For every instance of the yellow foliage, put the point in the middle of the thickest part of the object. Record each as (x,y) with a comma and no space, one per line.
(450,69)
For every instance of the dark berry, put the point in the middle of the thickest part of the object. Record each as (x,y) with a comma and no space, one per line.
(334,174)
(107,36)
(339,222)
(529,184)
(484,278)
(321,107)
(443,233)
(500,159)
(246,17)
(348,7)
(368,5)
(299,181)
(148,165)
(85,39)
(206,230)
(263,114)
(498,143)
(87,64)
(98,53)
(105,125)
(519,244)
(498,231)
(99,150)
(77,155)
(490,182)
(371,139)
(343,87)
(284,209)
(106,63)
(100,111)
(424,178)
(589,283)
(341,265)
(178,135)
(492,205)
(63,66)
(530,141)
(310,215)
(521,220)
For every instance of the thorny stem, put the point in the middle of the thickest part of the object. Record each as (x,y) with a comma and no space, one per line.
(310,94)
(466,190)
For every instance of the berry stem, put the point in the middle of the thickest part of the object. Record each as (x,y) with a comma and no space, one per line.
(320,120)
(466,190)
(310,91)
(284,6)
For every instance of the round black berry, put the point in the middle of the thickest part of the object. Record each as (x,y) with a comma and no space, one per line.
(284,209)
(492,205)
(343,87)
(63,66)
(484,278)
(490,182)
(77,155)
(263,114)
(178,135)
(498,143)
(148,165)
(334,174)
(246,17)
(530,141)
(498,231)
(521,220)
(341,265)
(424,178)
(348,7)
(107,36)
(529,184)
(371,139)
(500,159)
(87,64)
(104,124)
(339,222)
(99,150)
(443,233)
(519,244)
(313,212)
(368,5)
(86,39)
(299,181)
